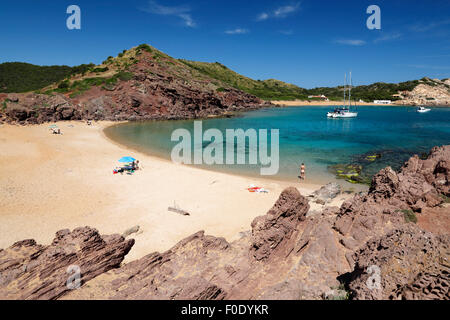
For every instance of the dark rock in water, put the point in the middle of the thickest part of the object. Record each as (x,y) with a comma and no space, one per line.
(363,167)
(350,172)
(415,187)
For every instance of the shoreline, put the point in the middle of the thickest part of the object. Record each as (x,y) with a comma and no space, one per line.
(312,183)
(52,182)
(300,103)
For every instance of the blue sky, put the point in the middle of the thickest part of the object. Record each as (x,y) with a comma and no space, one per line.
(307,42)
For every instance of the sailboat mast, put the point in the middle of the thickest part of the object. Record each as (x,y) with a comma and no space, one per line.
(350,91)
(345,88)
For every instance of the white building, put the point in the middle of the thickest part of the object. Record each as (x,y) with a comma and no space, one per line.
(322,97)
(382,101)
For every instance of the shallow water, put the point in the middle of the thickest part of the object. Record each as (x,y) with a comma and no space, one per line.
(306,135)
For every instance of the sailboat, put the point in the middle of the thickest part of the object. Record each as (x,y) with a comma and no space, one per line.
(422,109)
(344,111)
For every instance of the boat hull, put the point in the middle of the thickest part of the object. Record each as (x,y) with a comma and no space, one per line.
(336,115)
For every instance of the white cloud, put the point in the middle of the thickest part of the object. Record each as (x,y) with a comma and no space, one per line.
(351,42)
(388,37)
(262,16)
(280,12)
(287,32)
(237,31)
(429,26)
(182,12)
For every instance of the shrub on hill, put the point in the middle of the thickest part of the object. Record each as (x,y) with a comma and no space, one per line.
(23,77)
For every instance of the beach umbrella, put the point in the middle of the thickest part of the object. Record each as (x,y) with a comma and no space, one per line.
(53,126)
(127,159)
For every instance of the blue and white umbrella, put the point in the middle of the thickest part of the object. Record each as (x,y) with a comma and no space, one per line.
(127,159)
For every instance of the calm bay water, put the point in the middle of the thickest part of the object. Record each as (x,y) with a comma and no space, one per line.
(306,135)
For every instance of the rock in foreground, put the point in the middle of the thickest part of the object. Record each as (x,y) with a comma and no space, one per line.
(32,271)
(287,255)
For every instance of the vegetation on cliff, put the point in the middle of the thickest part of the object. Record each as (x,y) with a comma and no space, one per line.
(23,77)
(265,89)
(277,90)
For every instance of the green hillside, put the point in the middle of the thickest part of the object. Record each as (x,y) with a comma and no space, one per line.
(267,89)
(375,91)
(277,90)
(23,77)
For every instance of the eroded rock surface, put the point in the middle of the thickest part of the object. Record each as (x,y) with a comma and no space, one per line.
(32,271)
(406,263)
(286,255)
(160,88)
(420,184)
(279,223)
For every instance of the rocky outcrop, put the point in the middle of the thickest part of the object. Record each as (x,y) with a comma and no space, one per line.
(406,263)
(433,92)
(160,88)
(367,246)
(298,261)
(278,224)
(326,193)
(420,184)
(32,271)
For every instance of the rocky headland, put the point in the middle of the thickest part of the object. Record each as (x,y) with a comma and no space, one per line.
(141,84)
(382,244)
(430,92)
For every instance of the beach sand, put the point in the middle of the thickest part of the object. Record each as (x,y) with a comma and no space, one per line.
(52,182)
(293,103)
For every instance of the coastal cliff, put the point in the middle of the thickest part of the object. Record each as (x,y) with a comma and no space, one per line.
(140,84)
(288,254)
(144,83)
(431,92)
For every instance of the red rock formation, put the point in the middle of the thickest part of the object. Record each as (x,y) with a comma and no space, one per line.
(419,184)
(279,223)
(32,271)
(160,88)
(286,256)
(411,264)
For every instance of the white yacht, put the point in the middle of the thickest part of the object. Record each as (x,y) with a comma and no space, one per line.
(422,109)
(344,111)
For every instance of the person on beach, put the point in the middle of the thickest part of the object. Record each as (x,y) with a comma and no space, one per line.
(135,165)
(302,171)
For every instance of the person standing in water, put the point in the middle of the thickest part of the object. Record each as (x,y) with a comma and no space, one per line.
(302,171)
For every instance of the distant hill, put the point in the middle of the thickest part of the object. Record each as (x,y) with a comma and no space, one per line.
(265,89)
(277,90)
(23,77)
(141,83)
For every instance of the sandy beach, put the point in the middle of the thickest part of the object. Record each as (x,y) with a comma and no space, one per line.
(52,182)
(292,103)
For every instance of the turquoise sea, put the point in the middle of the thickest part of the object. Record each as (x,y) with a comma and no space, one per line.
(306,135)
